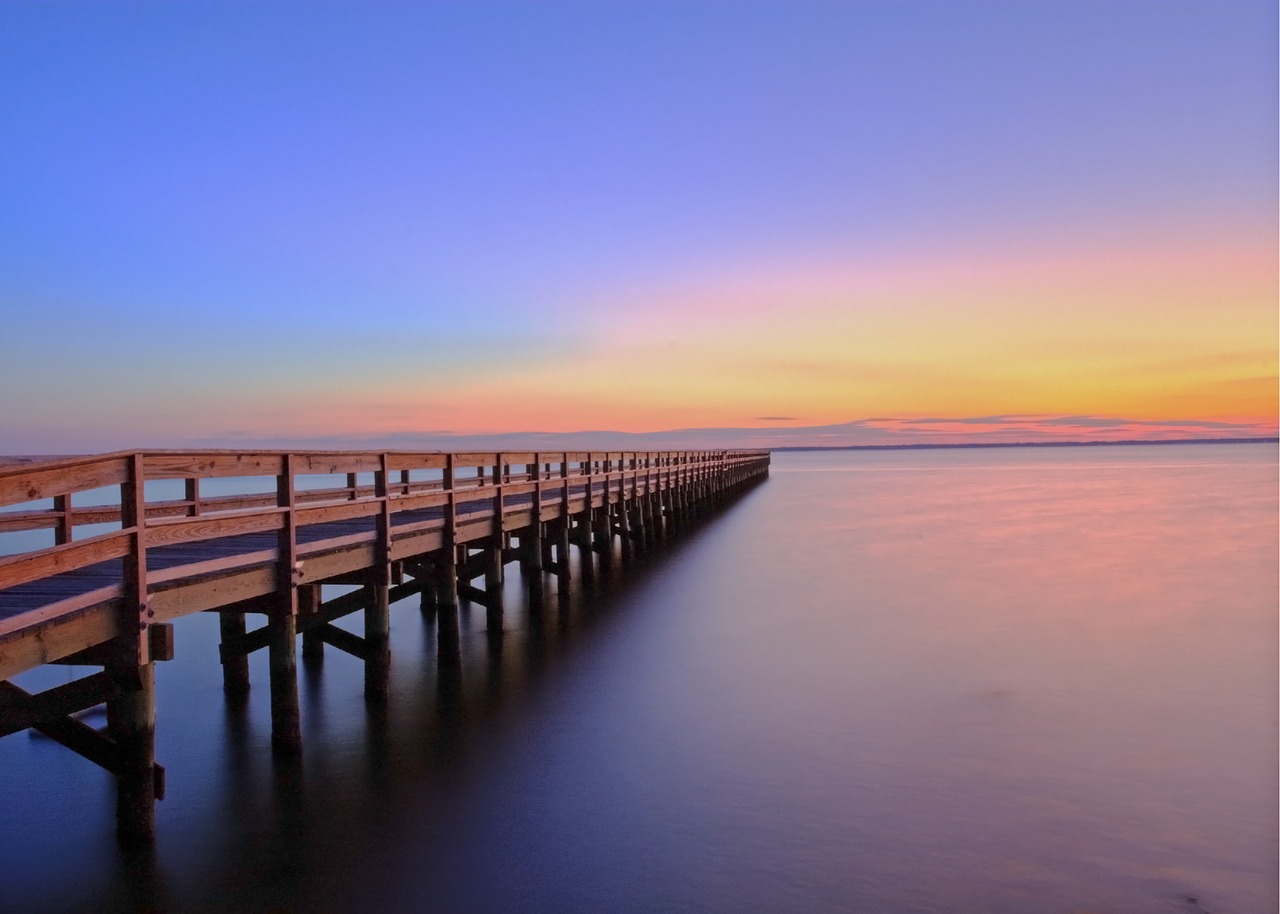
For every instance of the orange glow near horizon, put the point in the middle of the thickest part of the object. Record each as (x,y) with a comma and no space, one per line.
(1164,333)
(1158,334)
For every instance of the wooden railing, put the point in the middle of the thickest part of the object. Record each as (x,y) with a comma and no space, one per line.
(480,480)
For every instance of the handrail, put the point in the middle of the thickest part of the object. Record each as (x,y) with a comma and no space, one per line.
(274,544)
(62,478)
(30,566)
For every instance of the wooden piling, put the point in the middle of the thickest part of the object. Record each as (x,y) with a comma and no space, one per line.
(531,544)
(533,570)
(447,568)
(310,598)
(493,572)
(428,589)
(377,642)
(235,662)
(286,725)
(131,723)
(447,609)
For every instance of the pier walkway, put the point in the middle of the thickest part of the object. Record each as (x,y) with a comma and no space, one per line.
(105,552)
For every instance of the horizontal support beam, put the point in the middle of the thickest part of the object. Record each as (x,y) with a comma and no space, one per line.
(473,594)
(116,652)
(342,639)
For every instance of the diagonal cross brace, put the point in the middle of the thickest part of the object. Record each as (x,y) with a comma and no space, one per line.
(50,713)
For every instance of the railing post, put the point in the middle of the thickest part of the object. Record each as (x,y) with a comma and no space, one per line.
(673,499)
(131,711)
(598,521)
(382,548)
(588,507)
(282,634)
(561,540)
(191,493)
(629,518)
(651,500)
(493,564)
(659,509)
(133,515)
(62,533)
(493,569)
(588,519)
(447,570)
(684,488)
(532,542)
(377,609)
(449,576)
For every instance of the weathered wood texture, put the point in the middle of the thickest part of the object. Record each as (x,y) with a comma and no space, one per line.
(446,520)
(175,556)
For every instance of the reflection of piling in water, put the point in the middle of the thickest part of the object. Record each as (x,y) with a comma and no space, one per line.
(447,539)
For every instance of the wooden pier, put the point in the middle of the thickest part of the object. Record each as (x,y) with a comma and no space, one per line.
(442,526)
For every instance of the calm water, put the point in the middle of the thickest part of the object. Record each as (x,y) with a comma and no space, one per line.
(979,681)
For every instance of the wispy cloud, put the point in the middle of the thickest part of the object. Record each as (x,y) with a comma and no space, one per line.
(881,431)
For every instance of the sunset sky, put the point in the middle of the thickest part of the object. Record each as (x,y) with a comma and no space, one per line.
(401,222)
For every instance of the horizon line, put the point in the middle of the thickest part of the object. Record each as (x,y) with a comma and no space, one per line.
(953,445)
(13,459)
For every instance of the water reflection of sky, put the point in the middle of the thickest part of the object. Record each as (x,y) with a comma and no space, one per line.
(919,688)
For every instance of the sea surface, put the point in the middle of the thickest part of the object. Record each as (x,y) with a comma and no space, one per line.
(1010,680)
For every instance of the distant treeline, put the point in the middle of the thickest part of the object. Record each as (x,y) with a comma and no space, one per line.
(989,444)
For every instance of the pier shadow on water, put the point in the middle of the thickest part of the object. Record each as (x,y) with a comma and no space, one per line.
(243,829)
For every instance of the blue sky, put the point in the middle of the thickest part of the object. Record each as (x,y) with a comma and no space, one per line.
(209,204)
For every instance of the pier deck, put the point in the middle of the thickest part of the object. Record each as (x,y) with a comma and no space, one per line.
(392,523)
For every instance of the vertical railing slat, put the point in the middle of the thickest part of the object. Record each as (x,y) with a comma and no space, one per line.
(133,516)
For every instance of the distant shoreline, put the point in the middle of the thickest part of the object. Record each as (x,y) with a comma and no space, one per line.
(969,445)
(15,460)
(9,460)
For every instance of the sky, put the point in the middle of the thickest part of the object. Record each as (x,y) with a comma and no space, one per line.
(802,222)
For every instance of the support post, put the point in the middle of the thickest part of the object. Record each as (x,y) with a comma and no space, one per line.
(310,599)
(429,589)
(235,664)
(447,611)
(447,567)
(377,638)
(662,499)
(377,606)
(131,723)
(133,515)
(445,570)
(624,513)
(493,574)
(282,622)
(531,540)
(286,726)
